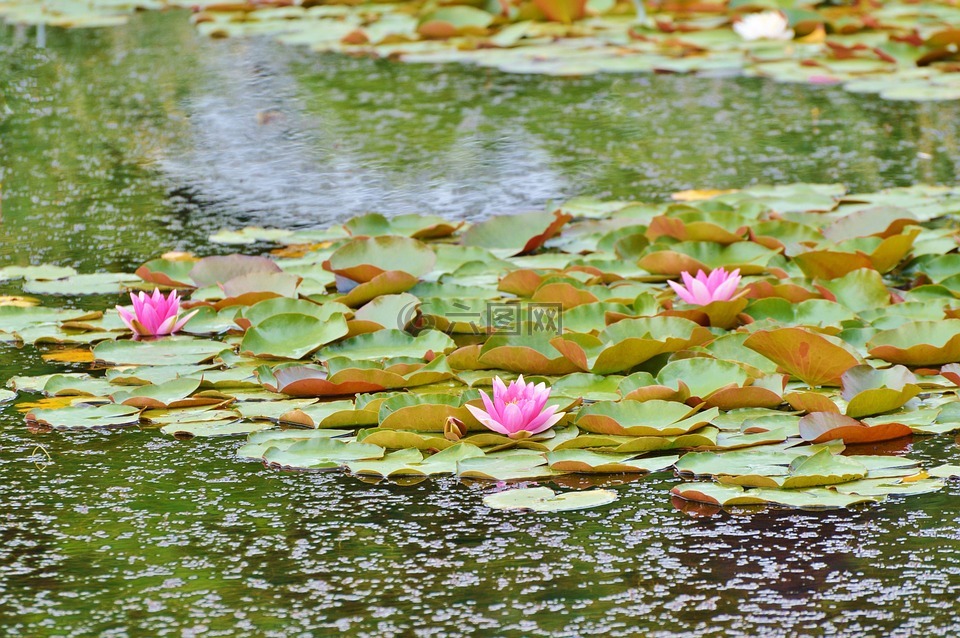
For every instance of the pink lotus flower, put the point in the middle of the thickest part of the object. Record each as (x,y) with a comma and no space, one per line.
(517,411)
(702,290)
(154,315)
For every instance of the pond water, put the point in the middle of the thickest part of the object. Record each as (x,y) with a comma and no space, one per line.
(117,145)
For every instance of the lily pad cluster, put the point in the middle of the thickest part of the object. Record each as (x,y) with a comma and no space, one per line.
(898,50)
(363,347)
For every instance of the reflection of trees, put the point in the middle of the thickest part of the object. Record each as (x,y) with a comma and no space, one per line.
(635,136)
(89,113)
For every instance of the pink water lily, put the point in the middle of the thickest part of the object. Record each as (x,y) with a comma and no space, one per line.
(517,411)
(154,315)
(703,289)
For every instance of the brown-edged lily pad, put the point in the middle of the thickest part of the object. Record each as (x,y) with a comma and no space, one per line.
(312,381)
(385,344)
(515,234)
(172,394)
(532,353)
(734,495)
(629,343)
(818,427)
(813,358)
(361,260)
(919,343)
(586,462)
(647,418)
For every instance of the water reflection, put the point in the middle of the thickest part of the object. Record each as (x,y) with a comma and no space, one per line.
(164,149)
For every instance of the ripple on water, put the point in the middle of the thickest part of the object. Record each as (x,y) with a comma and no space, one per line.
(181,538)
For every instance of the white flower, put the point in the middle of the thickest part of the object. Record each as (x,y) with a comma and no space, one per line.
(769,25)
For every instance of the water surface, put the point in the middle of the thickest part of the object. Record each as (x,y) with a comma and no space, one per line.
(120,144)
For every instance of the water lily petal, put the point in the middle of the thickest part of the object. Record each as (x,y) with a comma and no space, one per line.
(681,292)
(488,422)
(512,418)
(126,317)
(183,321)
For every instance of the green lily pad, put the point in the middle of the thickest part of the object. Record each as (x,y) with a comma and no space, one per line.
(292,336)
(260,441)
(385,344)
(592,387)
(91,284)
(36,273)
(411,462)
(404,439)
(583,461)
(629,343)
(869,391)
(61,385)
(822,468)
(321,453)
(361,260)
(86,417)
(543,499)
(734,495)
(507,466)
(222,427)
(416,226)
(267,308)
(166,351)
(945,471)
(642,418)
(890,487)
(211,271)
(515,234)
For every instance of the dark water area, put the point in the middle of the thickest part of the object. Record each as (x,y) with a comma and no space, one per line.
(117,145)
